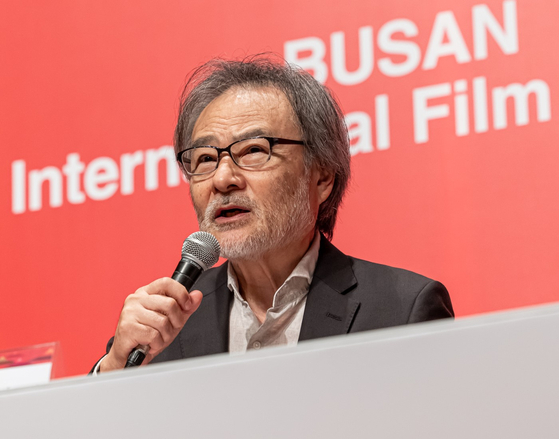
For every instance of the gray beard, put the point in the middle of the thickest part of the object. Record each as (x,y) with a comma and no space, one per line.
(279,222)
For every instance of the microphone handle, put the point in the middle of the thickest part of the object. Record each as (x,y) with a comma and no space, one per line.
(186,273)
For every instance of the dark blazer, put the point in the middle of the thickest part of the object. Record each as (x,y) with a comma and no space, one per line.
(346,295)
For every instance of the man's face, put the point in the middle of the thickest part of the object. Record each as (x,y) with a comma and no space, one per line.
(254,211)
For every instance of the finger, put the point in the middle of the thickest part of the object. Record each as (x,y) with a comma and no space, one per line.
(148,359)
(131,333)
(149,336)
(171,288)
(165,306)
(159,322)
(195,300)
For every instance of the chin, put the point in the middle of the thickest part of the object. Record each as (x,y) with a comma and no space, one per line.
(244,245)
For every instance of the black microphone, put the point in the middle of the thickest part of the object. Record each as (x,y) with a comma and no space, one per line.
(200,251)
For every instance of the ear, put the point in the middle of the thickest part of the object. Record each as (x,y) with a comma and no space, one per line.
(324,180)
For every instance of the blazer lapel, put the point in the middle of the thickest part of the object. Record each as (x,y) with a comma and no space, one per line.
(207,330)
(328,310)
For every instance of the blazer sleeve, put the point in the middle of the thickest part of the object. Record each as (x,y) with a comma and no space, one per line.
(432,303)
(109,344)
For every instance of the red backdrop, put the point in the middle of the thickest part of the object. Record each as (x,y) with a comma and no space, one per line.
(451,107)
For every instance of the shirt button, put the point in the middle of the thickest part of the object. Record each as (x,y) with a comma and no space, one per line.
(256,345)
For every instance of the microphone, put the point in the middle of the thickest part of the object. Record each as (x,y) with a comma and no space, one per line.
(200,251)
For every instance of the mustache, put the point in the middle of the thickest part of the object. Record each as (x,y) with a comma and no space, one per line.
(227,200)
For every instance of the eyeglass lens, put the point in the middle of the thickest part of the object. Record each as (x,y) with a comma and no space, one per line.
(246,153)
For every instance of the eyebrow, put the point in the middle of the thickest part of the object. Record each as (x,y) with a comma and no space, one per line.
(210,140)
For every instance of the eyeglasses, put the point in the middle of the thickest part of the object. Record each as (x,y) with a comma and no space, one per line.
(246,153)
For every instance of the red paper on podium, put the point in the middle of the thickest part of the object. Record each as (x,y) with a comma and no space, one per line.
(27,366)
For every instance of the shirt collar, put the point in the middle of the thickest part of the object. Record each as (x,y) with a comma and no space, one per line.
(301,275)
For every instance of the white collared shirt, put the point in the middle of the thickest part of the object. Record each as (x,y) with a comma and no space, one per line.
(283,320)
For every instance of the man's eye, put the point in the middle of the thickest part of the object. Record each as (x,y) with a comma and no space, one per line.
(254,149)
(206,158)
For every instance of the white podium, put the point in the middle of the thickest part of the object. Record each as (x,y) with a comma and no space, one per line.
(491,376)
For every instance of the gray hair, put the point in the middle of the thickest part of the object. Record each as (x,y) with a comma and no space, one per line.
(317,113)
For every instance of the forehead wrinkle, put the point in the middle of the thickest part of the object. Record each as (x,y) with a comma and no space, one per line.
(257,102)
(211,140)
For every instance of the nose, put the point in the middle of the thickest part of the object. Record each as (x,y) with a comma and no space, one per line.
(228,176)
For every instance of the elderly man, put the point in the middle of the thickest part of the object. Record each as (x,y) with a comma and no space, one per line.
(266,151)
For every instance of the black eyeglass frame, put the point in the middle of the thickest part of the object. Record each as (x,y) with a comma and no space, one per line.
(273,141)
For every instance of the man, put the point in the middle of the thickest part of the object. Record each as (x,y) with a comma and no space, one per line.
(266,151)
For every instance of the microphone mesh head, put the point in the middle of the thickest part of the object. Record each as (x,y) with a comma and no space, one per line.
(202,247)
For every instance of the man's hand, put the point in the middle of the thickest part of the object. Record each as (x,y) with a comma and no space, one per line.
(152,316)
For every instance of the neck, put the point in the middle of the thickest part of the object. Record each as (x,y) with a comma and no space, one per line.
(260,279)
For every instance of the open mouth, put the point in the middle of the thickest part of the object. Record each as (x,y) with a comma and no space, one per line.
(230,212)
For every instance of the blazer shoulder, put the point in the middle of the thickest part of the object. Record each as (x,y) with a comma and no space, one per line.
(384,275)
(349,275)
(397,296)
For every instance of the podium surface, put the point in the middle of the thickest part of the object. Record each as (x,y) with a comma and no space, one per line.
(490,376)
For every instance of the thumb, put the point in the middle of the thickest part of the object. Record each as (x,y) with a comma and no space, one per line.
(195,298)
